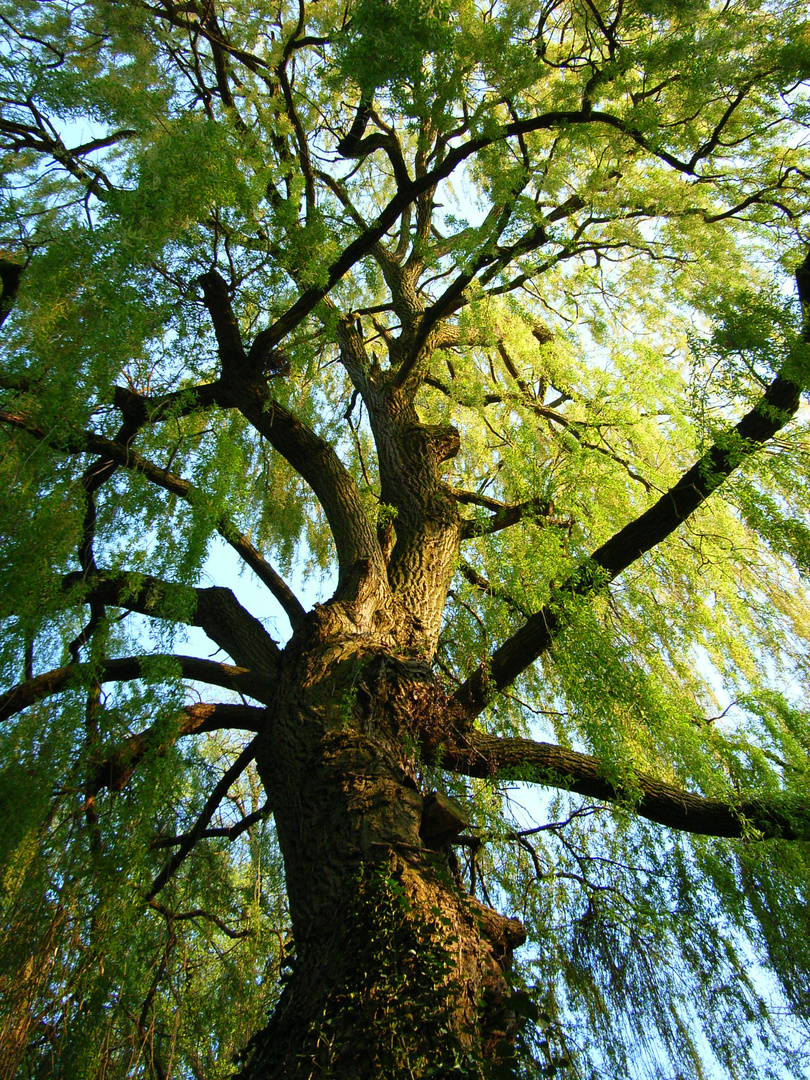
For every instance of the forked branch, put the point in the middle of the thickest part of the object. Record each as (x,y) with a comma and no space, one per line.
(196,831)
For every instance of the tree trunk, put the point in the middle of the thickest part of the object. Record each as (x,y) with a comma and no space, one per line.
(397,971)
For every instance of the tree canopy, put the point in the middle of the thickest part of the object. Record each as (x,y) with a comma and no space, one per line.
(486,324)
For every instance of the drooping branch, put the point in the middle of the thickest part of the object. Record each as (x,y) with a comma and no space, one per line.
(127,669)
(482,755)
(252,557)
(94,477)
(41,136)
(527,401)
(201,913)
(775,408)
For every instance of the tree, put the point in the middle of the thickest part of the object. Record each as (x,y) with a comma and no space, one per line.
(483,315)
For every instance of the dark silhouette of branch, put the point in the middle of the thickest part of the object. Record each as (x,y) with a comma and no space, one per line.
(215,610)
(200,913)
(408,194)
(10,277)
(208,811)
(353,145)
(153,409)
(116,769)
(227,832)
(471,575)
(537,510)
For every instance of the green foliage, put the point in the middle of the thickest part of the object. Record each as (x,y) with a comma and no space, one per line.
(628,295)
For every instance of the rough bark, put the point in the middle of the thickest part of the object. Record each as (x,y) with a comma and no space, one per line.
(396,968)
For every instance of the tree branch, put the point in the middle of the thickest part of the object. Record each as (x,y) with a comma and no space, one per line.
(353,145)
(243,386)
(10,276)
(123,455)
(774,409)
(208,811)
(278,587)
(200,913)
(154,409)
(482,755)
(526,401)
(537,510)
(215,610)
(127,669)
(315,460)
(471,575)
(407,194)
(119,765)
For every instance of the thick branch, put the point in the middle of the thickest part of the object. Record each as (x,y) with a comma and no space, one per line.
(278,587)
(144,409)
(126,669)
(352,146)
(116,769)
(487,756)
(215,610)
(229,340)
(243,386)
(316,461)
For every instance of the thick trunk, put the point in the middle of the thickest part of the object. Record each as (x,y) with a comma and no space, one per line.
(397,971)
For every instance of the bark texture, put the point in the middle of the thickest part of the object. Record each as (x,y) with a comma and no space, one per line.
(396,969)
